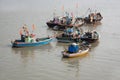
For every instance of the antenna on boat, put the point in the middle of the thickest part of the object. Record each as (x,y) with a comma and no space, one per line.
(54,13)
(33,28)
(95,11)
(88,10)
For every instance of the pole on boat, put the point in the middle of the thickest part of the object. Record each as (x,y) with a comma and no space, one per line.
(77,9)
(33,28)
(54,13)
(63,10)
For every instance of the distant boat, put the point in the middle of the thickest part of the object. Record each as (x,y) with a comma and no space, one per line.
(38,42)
(66,54)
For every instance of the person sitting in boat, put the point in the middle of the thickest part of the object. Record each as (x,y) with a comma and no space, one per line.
(56,20)
(32,37)
(29,39)
(91,17)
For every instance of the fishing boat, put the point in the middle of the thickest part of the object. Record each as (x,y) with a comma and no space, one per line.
(66,54)
(90,37)
(54,22)
(69,35)
(93,18)
(68,38)
(38,42)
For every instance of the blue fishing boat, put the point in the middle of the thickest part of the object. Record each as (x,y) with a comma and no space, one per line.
(38,42)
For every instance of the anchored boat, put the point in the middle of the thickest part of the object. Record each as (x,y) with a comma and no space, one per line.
(38,42)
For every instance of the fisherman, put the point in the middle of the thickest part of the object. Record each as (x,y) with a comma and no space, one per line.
(24,32)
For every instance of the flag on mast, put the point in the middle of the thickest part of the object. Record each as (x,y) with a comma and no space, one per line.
(33,27)
(76,5)
(20,31)
(62,7)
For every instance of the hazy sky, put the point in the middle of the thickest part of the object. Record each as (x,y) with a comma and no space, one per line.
(14,5)
(33,4)
(21,4)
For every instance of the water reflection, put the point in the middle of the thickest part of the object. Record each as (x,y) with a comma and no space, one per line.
(29,53)
(74,65)
(94,45)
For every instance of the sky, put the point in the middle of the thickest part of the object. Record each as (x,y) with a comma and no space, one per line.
(21,4)
(33,4)
(41,4)
(52,5)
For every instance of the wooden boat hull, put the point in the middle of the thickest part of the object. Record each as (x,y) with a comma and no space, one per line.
(67,39)
(90,40)
(51,24)
(66,54)
(87,21)
(19,43)
(61,27)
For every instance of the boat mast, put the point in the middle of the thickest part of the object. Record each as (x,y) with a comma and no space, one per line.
(62,10)
(76,9)
(54,13)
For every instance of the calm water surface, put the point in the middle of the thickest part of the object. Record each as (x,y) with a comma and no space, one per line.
(46,62)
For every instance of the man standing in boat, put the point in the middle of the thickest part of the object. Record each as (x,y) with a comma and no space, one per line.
(24,32)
